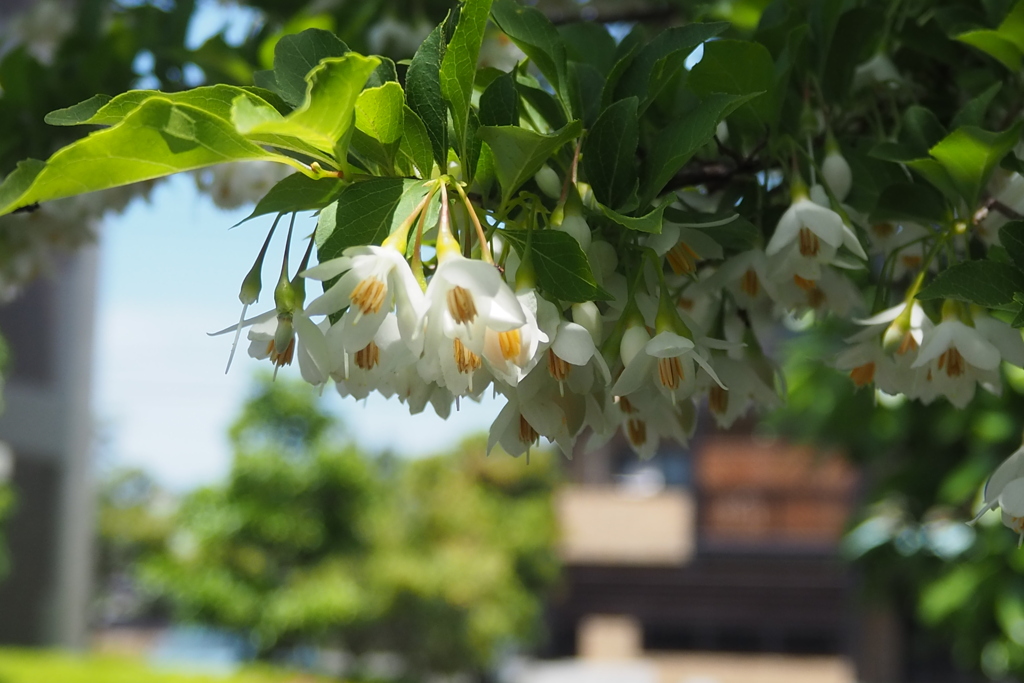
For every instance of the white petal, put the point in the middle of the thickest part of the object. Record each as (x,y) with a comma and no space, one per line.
(573,344)
(975,349)
(667,345)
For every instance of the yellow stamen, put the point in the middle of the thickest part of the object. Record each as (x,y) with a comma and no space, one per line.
(670,372)
(283,358)
(809,244)
(368,357)
(816,298)
(527,434)
(558,368)
(465,360)
(912,261)
(624,405)
(750,284)
(461,305)
(636,431)
(883,230)
(953,362)
(804,284)
(368,296)
(908,343)
(863,374)
(718,399)
(511,344)
(682,259)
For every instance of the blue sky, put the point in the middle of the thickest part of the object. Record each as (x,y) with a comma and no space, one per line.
(170,269)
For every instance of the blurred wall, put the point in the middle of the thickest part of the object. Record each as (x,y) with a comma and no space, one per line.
(47,421)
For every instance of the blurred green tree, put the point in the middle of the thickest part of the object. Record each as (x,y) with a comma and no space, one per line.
(960,590)
(442,561)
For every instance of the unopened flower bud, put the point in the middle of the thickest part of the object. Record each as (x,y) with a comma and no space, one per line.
(633,341)
(548,182)
(587,315)
(576,225)
(836,172)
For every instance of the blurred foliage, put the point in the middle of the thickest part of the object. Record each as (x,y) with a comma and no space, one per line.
(37,666)
(442,560)
(6,491)
(960,588)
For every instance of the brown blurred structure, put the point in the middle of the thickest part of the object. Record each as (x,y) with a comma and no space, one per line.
(731,547)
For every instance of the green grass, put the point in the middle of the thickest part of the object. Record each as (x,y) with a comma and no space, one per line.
(49,666)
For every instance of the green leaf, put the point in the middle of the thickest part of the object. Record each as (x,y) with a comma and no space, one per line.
(563,270)
(365,213)
(915,202)
(650,223)
(423,92)
(973,113)
(216,100)
(380,121)
(589,42)
(737,234)
(458,67)
(326,115)
(743,68)
(297,192)
(519,153)
(296,55)
(995,45)
(855,35)
(155,140)
(499,103)
(947,595)
(380,113)
(535,35)
(986,283)
(415,150)
(78,113)
(609,153)
(677,143)
(1011,236)
(585,85)
(969,155)
(543,104)
(661,59)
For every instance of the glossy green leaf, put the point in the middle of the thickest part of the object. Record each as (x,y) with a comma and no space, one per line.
(327,113)
(295,56)
(415,151)
(380,120)
(77,113)
(563,270)
(995,45)
(1011,236)
(535,35)
(156,139)
(365,213)
(973,113)
(423,92)
(609,154)
(458,67)
(589,42)
(652,222)
(297,192)
(519,153)
(216,100)
(741,68)
(969,155)
(677,143)
(585,85)
(540,106)
(499,103)
(851,44)
(915,202)
(661,59)
(986,283)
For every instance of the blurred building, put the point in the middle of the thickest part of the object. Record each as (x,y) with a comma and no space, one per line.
(730,548)
(47,423)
